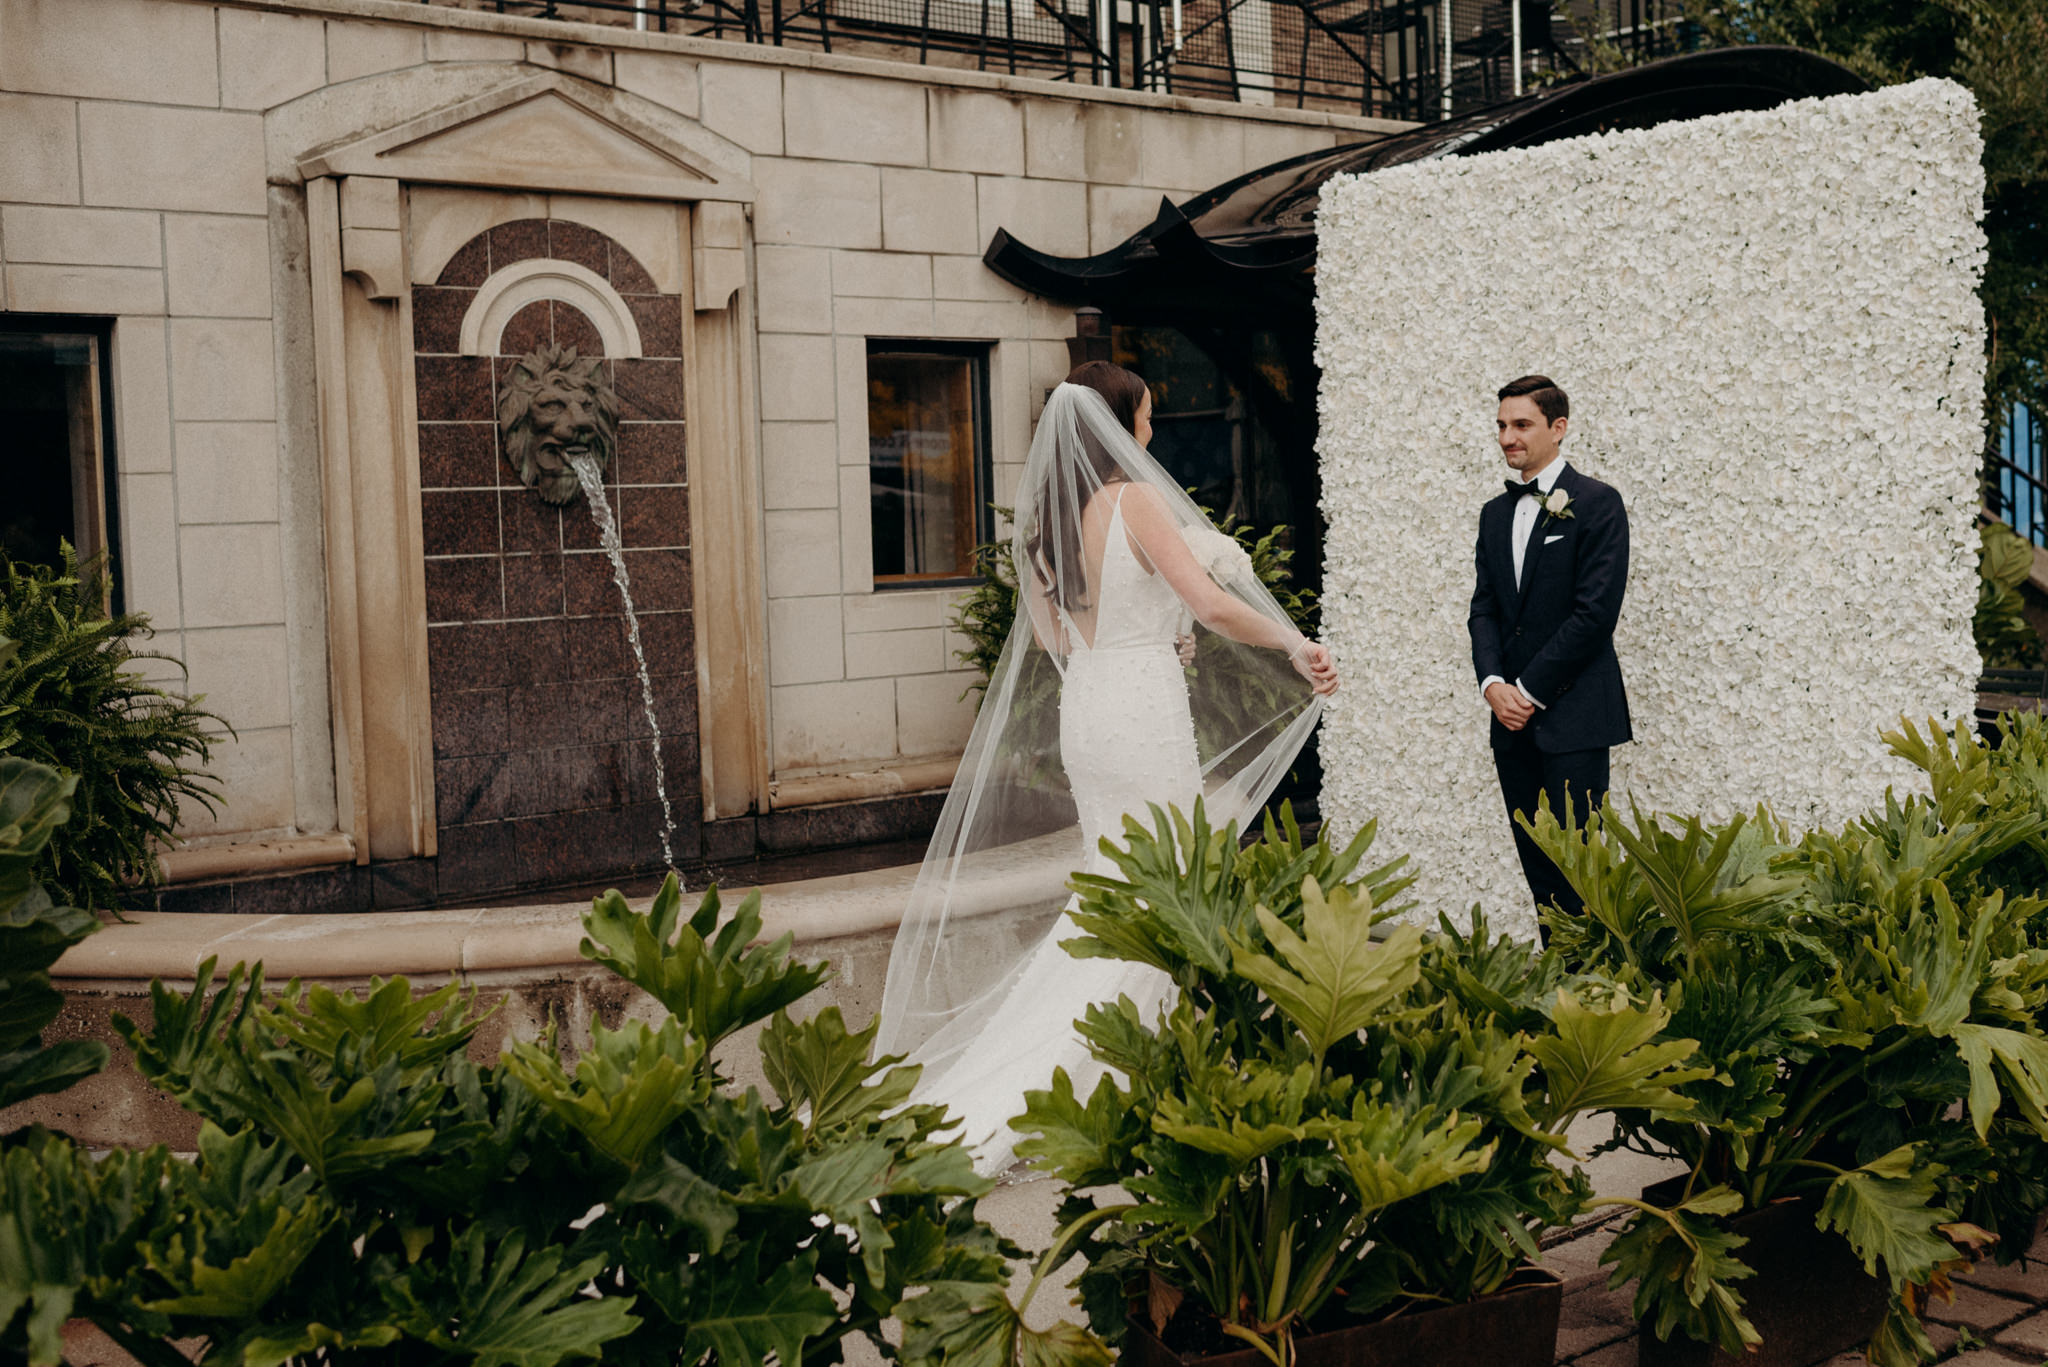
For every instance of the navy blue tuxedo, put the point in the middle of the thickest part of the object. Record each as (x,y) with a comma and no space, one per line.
(1554,634)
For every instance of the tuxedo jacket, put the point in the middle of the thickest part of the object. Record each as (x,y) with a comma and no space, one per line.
(1555,633)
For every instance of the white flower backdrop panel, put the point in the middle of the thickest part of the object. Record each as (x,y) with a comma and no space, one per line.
(1769,328)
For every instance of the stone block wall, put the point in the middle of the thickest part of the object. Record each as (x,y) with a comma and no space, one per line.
(150,176)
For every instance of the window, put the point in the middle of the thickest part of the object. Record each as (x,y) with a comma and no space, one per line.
(927,459)
(52,406)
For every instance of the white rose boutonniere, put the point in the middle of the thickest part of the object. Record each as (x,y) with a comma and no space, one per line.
(1220,557)
(1557,503)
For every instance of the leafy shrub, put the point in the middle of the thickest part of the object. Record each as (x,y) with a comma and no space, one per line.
(69,698)
(2005,638)
(1321,1128)
(1869,1006)
(364,1193)
(35,802)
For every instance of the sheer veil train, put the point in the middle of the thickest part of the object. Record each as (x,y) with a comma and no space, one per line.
(1089,715)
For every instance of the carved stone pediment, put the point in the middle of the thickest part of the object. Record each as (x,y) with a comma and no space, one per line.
(546,132)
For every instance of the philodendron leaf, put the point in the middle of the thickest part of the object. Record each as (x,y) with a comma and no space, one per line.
(497,1304)
(973,1324)
(1082,1145)
(1597,1059)
(41,1070)
(1684,1266)
(1994,1052)
(741,1318)
(1335,980)
(818,1065)
(240,1290)
(630,1085)
(1889,1211)
(1392,1155)
(715,978)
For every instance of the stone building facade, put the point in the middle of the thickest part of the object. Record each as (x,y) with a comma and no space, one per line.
(309,240)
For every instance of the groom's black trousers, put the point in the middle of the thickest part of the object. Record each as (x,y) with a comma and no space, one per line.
(1527,774)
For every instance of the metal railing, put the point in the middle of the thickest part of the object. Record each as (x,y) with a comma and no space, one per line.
(2016,475)
(1416,60)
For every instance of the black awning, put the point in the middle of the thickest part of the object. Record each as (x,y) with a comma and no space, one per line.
(1253,238)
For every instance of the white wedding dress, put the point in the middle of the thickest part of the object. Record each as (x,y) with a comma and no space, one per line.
(1088,716)
(1127,739)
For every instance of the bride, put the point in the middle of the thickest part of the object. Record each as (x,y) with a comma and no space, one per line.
(1089,715)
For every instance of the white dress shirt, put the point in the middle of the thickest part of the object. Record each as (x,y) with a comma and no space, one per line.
(1525,525)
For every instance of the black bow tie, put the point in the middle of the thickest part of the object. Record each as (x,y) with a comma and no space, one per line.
(1516,487)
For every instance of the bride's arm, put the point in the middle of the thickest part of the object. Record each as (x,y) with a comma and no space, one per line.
(1158,536)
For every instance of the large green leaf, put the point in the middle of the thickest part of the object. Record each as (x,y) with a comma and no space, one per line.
(973,1324)
(497,1304)
(821,1067)
(2018,1057)
(1336,979)
(1605,1060)
(1083,1145)
(1177,899)
(629,1087)
(1889,1210)
(1392,1155)
(240,1289)
(1684,1266)
(712,977)
(741,1316)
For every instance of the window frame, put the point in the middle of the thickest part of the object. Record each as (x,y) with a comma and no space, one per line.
(979,356)
(106,477)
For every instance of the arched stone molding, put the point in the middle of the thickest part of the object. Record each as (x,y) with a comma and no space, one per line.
(509,290)
(366,151)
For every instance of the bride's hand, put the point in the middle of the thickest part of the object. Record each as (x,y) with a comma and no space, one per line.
(1311,660)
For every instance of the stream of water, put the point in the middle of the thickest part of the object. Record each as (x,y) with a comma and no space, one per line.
(592,479)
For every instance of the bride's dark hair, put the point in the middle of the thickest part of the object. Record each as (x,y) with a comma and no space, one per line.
(1124,391)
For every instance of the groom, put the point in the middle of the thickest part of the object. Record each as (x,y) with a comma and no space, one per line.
(1553,562)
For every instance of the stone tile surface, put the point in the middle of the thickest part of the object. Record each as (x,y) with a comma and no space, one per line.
(39,155)
(150,157)
(1978,1309)
(266,59)
(218,266)
(110,50)
(929,211)
(81,237)
(853,118)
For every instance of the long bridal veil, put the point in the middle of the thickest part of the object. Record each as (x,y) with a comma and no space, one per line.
(993,882)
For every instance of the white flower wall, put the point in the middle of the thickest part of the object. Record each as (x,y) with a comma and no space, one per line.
(1769,329)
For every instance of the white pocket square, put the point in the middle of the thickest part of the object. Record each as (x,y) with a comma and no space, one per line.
(1548,539)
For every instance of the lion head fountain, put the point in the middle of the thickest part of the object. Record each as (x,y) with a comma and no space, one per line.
(556,405)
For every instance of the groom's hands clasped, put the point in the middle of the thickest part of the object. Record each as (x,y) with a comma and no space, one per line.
(1509,705)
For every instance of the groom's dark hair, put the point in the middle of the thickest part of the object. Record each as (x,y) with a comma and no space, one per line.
(1549,399)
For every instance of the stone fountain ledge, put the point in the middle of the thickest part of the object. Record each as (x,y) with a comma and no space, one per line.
(523,961)
(842,907)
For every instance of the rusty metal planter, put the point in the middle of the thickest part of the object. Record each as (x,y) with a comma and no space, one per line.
(1810,1297)
(1516,1326)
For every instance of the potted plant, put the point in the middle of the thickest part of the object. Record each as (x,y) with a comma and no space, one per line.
(1867,1005)
(1330,1148)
